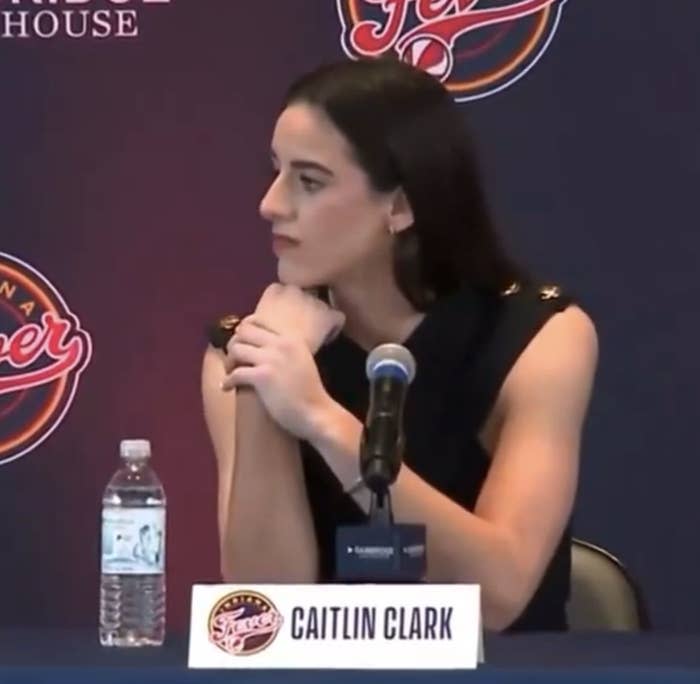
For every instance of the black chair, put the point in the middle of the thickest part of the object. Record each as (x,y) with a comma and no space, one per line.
(604,596)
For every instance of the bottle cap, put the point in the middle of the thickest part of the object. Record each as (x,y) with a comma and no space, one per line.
(135,449)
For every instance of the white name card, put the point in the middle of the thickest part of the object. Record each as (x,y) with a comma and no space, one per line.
(336,626)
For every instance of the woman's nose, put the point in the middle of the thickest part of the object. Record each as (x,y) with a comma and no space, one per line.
(276,204)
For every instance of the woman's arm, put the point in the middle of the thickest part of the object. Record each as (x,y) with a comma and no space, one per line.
(265,527)
(507,542)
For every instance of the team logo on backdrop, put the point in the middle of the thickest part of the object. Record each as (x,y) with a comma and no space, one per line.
(243,623)
(73,19)
(43,350)
(476,47)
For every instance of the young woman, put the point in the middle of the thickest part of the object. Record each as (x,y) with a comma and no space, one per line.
(376,203)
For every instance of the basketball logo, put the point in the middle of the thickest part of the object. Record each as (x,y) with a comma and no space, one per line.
(430,54)
(475,47)
(43,351)
(243,623)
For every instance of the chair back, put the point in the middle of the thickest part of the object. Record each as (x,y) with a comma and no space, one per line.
(604,597)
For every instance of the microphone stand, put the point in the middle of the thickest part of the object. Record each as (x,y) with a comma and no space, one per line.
(380,511)
(380,550)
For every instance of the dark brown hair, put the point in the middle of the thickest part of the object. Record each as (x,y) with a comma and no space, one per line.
(406,131)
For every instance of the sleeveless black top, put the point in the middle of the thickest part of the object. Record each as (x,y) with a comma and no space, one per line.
(464,348)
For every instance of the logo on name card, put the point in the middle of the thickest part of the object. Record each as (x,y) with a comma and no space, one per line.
(243,623)
(475,47)
(73,19)
(43,351)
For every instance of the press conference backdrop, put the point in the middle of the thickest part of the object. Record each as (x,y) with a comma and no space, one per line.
(134,145)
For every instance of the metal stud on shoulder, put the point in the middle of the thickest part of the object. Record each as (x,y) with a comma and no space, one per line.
(229,322)
(550,292)
(512,289)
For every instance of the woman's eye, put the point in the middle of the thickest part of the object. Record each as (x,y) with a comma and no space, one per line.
(310,184)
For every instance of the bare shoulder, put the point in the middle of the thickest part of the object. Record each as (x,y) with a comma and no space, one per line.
(568,337)
(559,363)
(213,364)
(213,368)
(218,406)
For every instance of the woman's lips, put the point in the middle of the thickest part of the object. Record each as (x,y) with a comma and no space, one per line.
(281,243)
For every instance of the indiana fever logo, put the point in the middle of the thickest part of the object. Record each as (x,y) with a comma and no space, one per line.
(476,47)
(43,350)
(243,623)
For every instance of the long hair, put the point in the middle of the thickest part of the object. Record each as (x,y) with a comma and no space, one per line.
(406,132)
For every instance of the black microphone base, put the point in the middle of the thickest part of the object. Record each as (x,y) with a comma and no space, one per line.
(380,554)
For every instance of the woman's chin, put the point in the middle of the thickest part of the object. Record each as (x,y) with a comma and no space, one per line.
(292,276)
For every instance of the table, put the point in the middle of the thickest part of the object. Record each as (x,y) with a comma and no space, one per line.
(58,657)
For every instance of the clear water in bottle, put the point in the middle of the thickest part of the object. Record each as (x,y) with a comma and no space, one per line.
(132,591)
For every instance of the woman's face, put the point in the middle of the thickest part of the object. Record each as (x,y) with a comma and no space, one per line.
(328,226)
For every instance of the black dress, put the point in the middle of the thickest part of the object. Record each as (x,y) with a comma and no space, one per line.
(464,348)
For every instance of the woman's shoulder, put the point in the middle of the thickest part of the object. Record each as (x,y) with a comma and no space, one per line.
(543,337)
(535,307)
(520,309)
(516,332)
(562,339)
(500,322)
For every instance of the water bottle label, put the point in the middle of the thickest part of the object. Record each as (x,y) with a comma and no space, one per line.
(133,541)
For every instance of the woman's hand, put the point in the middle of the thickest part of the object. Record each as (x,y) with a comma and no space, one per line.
(282,370)
(272,351)
(289,310)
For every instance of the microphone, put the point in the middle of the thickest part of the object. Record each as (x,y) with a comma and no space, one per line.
(380,550)
(390,369)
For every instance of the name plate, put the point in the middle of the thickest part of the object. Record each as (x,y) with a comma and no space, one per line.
(336,626)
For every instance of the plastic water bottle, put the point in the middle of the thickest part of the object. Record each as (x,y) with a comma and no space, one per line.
(132,591)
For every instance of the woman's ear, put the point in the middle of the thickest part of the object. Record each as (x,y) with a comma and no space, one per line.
(400,212)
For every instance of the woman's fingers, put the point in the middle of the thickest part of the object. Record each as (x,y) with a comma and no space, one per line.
(243,375)
(250,334)
(255,330)
(244,354)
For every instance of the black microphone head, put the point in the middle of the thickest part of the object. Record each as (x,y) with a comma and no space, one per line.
(391,360)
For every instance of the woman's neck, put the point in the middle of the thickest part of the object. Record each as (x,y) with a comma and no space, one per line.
(375,312)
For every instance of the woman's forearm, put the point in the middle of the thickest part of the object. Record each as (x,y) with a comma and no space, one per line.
(461,546)
(269,535)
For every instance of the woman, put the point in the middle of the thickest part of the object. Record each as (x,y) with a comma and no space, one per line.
(376,202)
